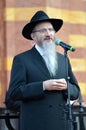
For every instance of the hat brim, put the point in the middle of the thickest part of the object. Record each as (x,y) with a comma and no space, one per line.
(28,28)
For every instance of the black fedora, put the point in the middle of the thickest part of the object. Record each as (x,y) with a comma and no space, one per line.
(40,16)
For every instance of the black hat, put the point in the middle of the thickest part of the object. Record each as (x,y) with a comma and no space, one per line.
(40,16)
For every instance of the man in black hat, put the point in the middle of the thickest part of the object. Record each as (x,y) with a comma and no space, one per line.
(38,85)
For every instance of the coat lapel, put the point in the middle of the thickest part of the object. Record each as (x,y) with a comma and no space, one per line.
(39,62)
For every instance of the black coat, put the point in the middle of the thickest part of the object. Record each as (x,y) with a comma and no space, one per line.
(40,110)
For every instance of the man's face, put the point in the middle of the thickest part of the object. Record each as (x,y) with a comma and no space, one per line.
(43,32)
(44,35)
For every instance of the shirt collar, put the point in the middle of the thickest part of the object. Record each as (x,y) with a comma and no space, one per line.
(39,49)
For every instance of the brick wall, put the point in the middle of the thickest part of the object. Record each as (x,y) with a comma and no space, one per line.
(14,14)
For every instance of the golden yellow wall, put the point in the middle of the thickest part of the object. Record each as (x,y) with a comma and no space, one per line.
(14,14)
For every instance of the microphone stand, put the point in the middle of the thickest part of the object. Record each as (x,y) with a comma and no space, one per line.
(68,107)
(81,110)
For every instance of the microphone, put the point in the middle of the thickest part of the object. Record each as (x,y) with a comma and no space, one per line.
(64,45)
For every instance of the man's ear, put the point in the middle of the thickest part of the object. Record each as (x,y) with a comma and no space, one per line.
(32,36)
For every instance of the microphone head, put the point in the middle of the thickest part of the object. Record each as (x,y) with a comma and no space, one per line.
(58,42)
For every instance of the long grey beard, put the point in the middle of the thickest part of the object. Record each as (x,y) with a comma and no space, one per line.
(50,57)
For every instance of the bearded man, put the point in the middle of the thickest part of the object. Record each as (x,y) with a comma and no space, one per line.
(38,84)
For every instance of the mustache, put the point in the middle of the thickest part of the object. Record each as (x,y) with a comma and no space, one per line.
(48,38)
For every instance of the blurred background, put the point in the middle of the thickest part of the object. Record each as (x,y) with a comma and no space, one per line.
(14,14)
